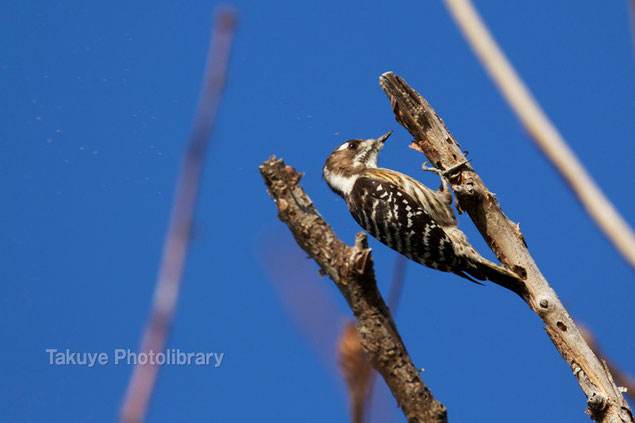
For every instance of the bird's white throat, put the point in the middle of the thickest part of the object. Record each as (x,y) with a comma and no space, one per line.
(342,185)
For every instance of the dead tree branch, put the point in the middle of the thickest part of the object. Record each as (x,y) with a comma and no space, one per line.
(351,268)
(605,401)
(542,130)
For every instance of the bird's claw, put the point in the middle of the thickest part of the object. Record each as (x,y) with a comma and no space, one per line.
(447,172)
(430,169)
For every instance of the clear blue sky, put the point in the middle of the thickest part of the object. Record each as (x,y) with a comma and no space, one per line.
(97,101)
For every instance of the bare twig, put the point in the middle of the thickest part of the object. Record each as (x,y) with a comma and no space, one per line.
(166,292)
(622,378)
(605,401)
(351,268)
(542,130)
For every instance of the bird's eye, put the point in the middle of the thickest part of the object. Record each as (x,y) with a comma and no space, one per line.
(353,145)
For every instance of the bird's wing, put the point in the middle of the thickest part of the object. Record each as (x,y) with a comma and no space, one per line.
(435,203)
(396,219)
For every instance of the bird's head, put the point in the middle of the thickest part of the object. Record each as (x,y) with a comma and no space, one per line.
(344,165)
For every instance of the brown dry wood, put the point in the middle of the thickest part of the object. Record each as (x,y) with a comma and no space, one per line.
(605,401)
(351,268)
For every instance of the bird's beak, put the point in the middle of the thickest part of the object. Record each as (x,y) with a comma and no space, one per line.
(383,137)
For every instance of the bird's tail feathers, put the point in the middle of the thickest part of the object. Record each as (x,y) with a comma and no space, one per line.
(486,270)
(464,276)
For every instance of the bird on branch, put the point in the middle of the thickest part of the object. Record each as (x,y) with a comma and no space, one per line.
(407,216)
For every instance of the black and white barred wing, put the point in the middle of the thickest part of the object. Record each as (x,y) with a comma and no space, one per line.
(398,221)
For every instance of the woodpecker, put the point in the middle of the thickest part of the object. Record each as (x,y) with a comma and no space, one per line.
(407,216)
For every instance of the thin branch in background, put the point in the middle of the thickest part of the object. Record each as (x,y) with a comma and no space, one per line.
(351,269)
(544,133)
(605,401)
(396,286)
(309,303)
(622,378)
(631,9)
(142,382)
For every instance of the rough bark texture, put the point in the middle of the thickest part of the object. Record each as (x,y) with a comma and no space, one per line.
(351,268)
(605,401)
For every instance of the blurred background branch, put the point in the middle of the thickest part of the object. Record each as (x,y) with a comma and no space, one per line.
(396,285)
(542,130)
(356,369)
(143,379)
